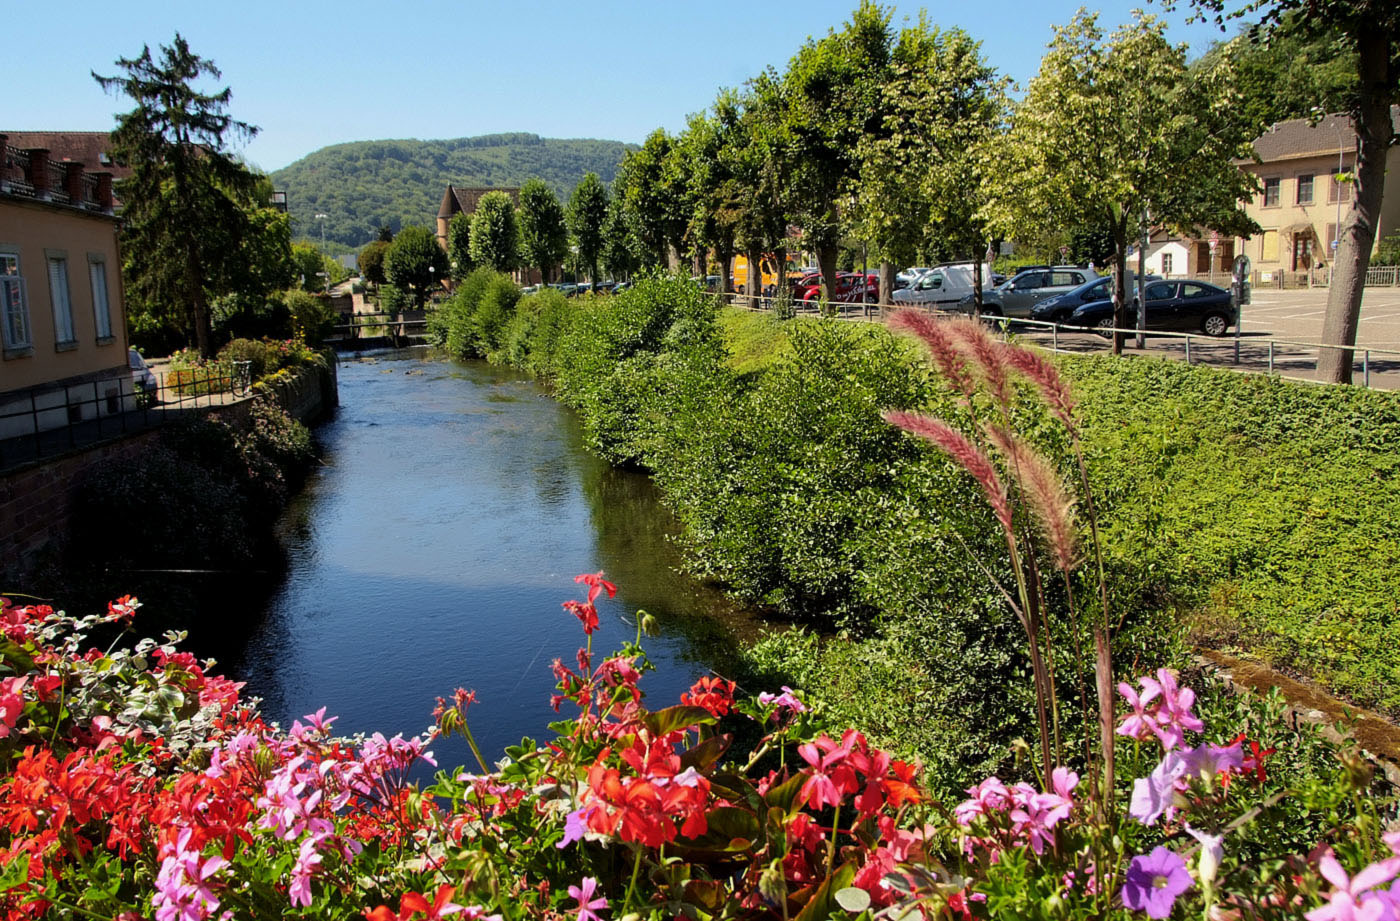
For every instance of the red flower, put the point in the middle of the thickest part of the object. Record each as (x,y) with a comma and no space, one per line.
(596,584)
(716,695)
(585,612)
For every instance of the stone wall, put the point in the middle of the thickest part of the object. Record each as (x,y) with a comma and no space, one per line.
(36,500)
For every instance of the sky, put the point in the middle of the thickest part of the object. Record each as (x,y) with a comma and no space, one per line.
(309,74)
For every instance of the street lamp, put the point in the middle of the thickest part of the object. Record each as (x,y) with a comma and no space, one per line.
(322,219)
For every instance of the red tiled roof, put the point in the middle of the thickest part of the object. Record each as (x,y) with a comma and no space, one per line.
(1298,138)
(85,147)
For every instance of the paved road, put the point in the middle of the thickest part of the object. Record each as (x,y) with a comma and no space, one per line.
(1298,315)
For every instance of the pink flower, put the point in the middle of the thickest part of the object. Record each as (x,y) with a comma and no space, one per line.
(182,891)
(786,699)
(11,702)
(587,905)
(1351,900)
(988,796)
(1139,724)
(308,860)
(829,777)
(1163,709)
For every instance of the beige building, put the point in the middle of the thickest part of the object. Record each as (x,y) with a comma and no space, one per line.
(62,324)
(1301,202)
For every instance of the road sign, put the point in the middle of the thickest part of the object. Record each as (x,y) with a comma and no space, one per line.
(1214,239)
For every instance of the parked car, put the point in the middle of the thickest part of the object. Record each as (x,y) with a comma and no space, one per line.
(910,275)
(1185,306)
(1058,307)
(807,286)
(1016,297)
(848,288)
(143,380)
(943,286)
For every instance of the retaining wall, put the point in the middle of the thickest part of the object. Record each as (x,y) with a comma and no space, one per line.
(36,499)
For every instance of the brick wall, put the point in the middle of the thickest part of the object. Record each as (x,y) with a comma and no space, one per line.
(35,501)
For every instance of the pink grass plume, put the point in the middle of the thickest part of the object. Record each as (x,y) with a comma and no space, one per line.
(965,454)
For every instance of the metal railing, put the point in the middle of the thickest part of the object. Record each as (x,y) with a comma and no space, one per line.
(1257,354)
(43,422)
(14,171)
(361,325)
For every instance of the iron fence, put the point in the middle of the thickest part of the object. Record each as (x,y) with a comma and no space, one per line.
(43,422)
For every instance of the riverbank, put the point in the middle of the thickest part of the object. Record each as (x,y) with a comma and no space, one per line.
(1246,514)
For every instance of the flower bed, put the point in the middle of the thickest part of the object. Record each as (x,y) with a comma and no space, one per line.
(136,784)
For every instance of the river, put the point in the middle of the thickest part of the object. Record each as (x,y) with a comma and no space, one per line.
(434,548)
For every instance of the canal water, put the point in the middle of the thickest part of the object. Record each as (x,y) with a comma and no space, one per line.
(434,548)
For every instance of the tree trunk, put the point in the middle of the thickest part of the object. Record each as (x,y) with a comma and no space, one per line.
(203,334)
(887,283)
(779,270)
(826,260)
(724,255)
(1120,282)
(1357,234)
(753,284)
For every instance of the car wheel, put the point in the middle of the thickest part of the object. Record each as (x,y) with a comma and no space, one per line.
(1215,324)
(1104,327)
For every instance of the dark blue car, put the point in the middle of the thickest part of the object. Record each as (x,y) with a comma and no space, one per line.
(1183,306)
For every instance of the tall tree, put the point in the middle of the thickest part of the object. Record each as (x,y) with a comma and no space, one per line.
(711,223)
(187,201)
(588,210)
(1370,30)
(621,253)
(544,240)
(922,179)
(371,261)
(1120,132)
(494,233)
(649,190)
(415,262)
(833,94)
(459,245)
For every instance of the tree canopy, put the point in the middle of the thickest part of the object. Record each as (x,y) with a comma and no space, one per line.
(587,212)
(495,233)
(415,262)
(193,224)
(459,245)
(544,240)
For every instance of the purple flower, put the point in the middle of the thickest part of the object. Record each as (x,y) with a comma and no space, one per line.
(1153,882)
(1351,900)
(574,826)
(1152,795)
(785,699)
(587,905)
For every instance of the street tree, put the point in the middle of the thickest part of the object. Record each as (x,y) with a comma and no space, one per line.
(1120,132)
(494,233)
(711,222)
(650,191)
(587,213)
(415,263)
(922,180)
(832,96)
(371,261)
(188,202)
(1369,30)
(459,245)
(621,253)
(544,240)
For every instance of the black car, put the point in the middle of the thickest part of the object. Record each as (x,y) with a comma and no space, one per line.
(1186,306)
(1058,308)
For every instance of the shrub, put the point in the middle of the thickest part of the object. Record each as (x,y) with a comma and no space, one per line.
(312,315)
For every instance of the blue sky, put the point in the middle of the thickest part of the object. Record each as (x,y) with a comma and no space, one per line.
(311,74)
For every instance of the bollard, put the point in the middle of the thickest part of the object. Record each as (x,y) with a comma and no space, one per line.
(1271,357)
(1054,337)
(1366,368)
(1188,350)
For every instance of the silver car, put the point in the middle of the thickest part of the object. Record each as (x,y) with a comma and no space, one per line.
(1016,297)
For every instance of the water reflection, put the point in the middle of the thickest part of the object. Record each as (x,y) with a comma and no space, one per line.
(433,551)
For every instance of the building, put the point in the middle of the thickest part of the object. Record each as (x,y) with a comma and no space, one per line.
(457,199)
(62,322)
(1301,203)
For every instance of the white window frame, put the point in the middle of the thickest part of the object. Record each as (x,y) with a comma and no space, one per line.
(101,302)
(65,333)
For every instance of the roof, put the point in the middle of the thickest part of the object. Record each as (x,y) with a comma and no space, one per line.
(85,147)
(1297,137)
(458,198)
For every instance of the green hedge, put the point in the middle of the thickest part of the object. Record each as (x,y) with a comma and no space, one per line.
(1253,513)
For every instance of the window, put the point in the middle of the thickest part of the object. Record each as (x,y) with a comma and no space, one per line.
(101,311)
(1065,279)
(1268,246)
(1338,191)
(1166,263)
(62,304)
(1305,190)
(1271,191)
(15,325)
(1190,290)
(1160,291)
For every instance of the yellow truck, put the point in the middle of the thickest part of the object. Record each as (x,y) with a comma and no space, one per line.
(768,269)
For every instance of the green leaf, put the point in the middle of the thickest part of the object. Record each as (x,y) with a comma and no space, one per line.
(853,899)
(661,722)
(820,906)
(705,754)
(16,874)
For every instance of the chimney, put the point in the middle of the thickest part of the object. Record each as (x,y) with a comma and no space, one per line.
(73,182)
(38,174)
(104,190)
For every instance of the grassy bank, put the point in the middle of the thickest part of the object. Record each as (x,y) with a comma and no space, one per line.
(1244,512)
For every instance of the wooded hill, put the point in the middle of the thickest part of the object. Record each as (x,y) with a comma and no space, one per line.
(366,184)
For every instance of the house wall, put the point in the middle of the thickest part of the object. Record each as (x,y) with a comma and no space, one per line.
(35,231)
(1176,252)
(1295,233)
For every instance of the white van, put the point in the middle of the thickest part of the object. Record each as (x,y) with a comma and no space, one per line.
(943,285)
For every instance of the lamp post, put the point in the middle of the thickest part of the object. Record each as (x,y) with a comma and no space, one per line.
(322,218)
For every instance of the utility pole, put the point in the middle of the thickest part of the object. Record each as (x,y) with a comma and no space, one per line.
(322,219)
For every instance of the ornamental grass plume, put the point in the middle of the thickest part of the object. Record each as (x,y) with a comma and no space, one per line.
(965,454)
(1043,490)
(942,346)
(1035,367)
(988,354)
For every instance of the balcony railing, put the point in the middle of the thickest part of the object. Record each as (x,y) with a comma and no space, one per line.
(14,172)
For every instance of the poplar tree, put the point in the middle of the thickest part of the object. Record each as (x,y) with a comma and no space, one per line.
(544,240)
(587,213)
(494,236)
